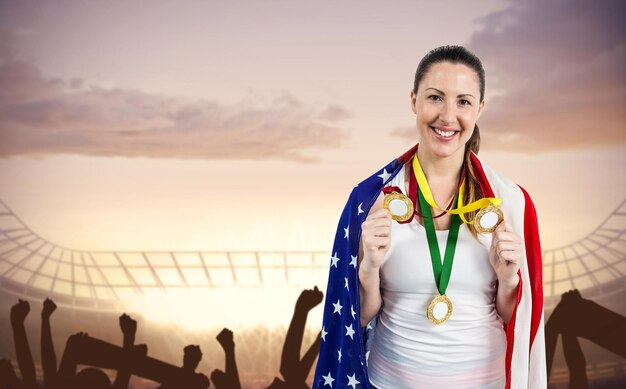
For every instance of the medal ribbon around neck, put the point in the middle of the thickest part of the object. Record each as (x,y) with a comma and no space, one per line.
(460,209)
(413,193)
(441,272)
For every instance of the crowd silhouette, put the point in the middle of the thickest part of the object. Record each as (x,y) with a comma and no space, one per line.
(130,359)
(572,318)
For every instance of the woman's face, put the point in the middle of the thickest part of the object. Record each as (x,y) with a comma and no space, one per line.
(448,101)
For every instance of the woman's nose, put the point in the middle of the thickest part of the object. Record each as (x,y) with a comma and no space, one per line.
(448,113)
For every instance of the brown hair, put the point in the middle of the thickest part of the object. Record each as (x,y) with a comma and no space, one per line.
(472,188)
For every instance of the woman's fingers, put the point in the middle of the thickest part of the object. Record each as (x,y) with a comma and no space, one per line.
(380,214)
(377,242)
(510,256)
(508,251)
(376,224)
(377,220)
(381,231)
(506,246)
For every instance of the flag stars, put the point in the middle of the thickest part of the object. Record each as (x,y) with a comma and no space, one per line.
(328,380)
(353,261)
(360,210)
(346,231)
(339,355)
(324,333)
(334,259)
(352,381)
(338,307)
(384,175)
(352,312)
(350,331)
(346,283)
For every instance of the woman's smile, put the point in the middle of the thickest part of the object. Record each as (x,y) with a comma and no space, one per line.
(444,134)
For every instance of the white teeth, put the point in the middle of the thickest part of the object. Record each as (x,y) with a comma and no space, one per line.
(443,133)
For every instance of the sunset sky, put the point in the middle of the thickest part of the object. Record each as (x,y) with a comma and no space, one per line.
(221,125)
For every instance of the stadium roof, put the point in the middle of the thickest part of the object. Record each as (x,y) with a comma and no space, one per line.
(32,266)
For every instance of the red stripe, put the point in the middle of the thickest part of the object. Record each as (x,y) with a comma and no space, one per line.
(510,332)
(533,259)
(485,187)
(404,158)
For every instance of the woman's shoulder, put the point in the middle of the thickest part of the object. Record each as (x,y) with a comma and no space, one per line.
(383,176)
(517,205)
(367,196)
(515,199)
(501,184)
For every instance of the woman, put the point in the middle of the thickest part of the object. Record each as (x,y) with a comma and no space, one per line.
(451,305)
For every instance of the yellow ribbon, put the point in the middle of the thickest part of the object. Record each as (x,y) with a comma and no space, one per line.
(461,209)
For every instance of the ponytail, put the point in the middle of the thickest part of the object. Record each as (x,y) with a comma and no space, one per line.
(472,188)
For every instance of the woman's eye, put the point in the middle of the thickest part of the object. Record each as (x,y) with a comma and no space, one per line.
(465,102)
(434,97)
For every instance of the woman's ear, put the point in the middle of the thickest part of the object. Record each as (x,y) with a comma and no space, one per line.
(413,98)
(481,106)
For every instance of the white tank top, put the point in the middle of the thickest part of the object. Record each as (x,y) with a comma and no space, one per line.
(408,351)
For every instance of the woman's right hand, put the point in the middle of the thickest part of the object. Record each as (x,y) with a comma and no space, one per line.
(375,237)
(373,245)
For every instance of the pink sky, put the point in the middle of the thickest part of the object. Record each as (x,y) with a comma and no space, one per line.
(214,125)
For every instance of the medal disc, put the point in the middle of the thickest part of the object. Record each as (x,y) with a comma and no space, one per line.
(488,219)
(440,309)
(399,206)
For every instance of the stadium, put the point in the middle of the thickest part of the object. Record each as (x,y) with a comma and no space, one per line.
(181,298)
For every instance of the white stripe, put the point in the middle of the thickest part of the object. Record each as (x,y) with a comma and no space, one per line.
(513,206)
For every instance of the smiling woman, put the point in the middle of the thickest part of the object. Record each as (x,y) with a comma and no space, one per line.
(450,110)
(479,309)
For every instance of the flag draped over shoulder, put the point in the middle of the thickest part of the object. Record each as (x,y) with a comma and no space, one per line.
(342,360)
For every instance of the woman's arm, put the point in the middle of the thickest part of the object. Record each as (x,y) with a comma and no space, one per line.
(506,298)
(373,245)
(369,291)
(505,255)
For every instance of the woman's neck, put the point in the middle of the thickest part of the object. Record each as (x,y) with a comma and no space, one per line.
(440,168)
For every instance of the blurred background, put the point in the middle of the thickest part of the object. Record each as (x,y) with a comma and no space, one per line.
(187,162)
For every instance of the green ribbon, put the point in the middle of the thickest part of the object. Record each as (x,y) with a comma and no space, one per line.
(442,273)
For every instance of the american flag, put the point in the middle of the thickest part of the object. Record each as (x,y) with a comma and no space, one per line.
(343,354)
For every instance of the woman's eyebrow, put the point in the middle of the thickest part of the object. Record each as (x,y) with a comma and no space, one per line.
(461,95)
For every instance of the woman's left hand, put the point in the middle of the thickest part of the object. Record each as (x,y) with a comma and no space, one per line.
(505,254)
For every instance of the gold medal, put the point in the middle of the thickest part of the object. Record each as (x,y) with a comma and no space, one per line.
(440,309)
(399,206)
(488,219)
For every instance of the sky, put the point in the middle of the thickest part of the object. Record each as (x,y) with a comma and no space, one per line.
(244,125)
(214,125)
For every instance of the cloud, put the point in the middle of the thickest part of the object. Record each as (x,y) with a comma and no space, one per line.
(335,113)
(555,75)
(42,116)
(405,132)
